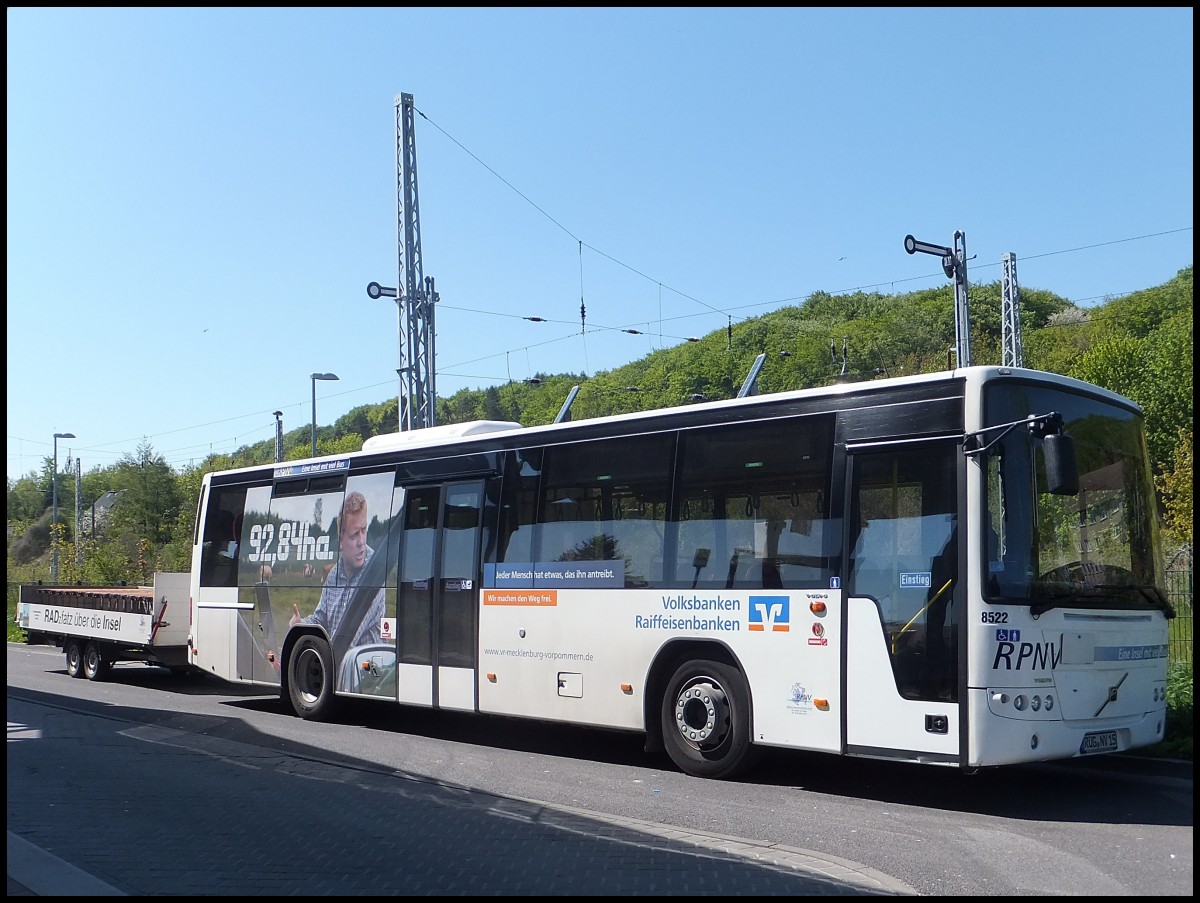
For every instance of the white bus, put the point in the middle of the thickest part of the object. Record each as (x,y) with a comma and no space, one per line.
(958,568)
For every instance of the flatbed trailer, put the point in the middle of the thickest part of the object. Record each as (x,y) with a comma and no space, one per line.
(97,626)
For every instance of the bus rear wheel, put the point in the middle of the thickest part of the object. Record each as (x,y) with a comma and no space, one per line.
(95,666)
(310,678)
(74,651)
(706,720)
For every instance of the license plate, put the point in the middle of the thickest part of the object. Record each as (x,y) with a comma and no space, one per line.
(1098,742)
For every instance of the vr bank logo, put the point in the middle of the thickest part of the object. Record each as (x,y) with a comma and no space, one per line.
(770,613)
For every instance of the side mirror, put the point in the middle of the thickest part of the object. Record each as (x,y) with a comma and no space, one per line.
(1062,466)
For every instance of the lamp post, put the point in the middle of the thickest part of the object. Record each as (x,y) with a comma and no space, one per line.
(54,509)
(279,436)
(314,377)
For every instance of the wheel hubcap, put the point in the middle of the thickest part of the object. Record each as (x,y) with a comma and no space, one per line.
(702,713)
(310,676)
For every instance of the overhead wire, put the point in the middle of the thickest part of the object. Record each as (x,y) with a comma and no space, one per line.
(627,328)
(104,448)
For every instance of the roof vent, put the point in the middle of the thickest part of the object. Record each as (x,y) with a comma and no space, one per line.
(432,434)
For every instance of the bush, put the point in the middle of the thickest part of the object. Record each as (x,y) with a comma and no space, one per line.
(1177,737)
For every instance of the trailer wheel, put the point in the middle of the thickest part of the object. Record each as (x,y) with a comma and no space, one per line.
(74,653)
(706,720)
(95,666)
(310,678)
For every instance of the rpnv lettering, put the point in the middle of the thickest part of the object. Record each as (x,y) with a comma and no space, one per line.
(1018,656)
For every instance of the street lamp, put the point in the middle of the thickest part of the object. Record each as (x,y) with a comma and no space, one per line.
(314,377)
(54,509)
(278,436)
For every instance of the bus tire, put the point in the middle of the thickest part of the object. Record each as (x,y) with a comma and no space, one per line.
(74,651)
(95,666)
(310,678)
(706,720)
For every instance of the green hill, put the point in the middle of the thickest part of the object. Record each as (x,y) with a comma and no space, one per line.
(1139,345)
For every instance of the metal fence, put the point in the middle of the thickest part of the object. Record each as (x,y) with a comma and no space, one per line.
(1179,594)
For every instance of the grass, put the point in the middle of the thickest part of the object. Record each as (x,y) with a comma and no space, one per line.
(15,633)
(1176,744)
(1177,736)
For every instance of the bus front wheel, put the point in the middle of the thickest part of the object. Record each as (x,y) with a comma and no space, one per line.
(706,720)
(310,678)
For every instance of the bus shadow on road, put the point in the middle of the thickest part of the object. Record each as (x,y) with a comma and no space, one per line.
(1108,789)
(1103,789)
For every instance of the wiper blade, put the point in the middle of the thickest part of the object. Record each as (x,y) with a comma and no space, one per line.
(1056,594)
(1151,592)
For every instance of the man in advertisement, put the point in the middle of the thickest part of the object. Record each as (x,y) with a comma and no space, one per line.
(347,615)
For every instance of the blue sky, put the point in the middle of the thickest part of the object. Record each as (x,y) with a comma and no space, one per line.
(197,198)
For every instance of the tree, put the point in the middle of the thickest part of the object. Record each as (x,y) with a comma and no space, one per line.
(26,501)
(357,421)
(1175,485)
(1139,345)
(493,407)
(1156,372)
(145,519)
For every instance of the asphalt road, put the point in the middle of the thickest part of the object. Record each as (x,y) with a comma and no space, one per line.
(154,783)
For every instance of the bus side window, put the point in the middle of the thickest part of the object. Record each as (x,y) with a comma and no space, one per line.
(754,496)
(517,528)
(215,565)
(219,556)
(761,573)
(605,501)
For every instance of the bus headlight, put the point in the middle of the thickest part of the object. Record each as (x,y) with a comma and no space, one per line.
(1022,704)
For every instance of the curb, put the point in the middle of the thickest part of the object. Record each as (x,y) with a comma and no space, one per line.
(31,866)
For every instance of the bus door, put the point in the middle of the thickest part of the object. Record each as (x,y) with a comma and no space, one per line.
(438,588)
(904,600)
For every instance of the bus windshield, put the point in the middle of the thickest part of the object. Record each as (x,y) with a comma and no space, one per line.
(1098,548)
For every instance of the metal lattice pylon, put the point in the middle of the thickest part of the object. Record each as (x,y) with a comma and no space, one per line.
(1012,354)
(417,394)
